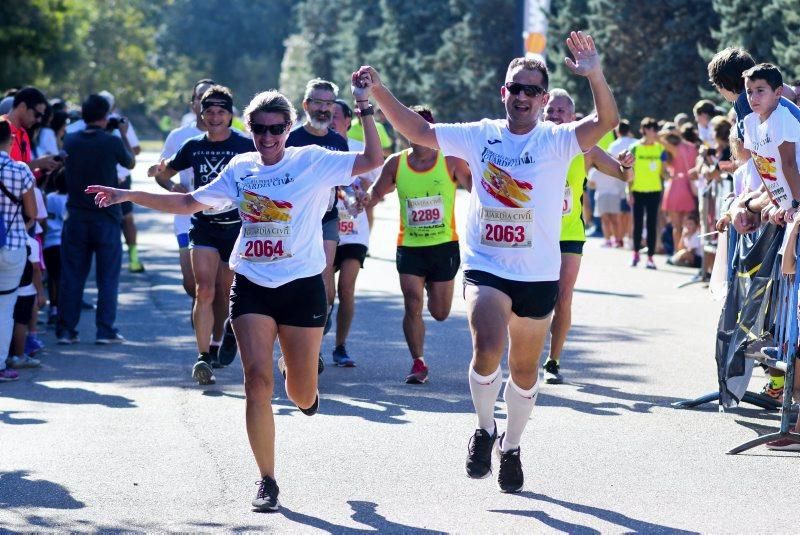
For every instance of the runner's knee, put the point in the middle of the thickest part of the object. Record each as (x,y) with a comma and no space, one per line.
(258,382)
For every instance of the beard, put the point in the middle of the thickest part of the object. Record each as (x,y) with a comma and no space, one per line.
(320,121)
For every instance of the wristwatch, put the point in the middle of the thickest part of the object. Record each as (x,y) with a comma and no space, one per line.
(363,112)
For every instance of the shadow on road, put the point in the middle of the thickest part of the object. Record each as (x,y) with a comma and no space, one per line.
(17,490)
(618,519)
(363,513)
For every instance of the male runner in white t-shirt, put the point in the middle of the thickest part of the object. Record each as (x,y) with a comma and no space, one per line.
(511,255)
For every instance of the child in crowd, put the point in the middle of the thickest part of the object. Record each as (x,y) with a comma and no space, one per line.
(690,248)
(56,213)
(30,291)
(772,135)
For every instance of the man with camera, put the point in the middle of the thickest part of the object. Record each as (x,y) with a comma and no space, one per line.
(94,154)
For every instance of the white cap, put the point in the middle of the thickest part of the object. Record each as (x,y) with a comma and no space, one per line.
(109,97)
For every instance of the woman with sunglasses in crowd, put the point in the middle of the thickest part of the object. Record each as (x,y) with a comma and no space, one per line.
(278,293)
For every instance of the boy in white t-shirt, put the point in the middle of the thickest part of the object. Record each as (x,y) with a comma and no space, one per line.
(690,249)
(772,134)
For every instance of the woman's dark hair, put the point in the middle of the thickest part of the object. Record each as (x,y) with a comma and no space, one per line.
(5,131)
(59,120)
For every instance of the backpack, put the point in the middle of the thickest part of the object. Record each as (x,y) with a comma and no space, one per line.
(6,226)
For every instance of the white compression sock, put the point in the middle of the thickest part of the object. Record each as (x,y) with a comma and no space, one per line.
(519,404)
(484,391)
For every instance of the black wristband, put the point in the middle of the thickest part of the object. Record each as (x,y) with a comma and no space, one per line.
(369,110)
(747,206)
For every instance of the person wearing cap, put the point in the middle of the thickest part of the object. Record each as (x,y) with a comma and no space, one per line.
(89,230)
(214,230)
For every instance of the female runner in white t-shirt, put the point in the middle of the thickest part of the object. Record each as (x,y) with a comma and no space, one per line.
(282,194)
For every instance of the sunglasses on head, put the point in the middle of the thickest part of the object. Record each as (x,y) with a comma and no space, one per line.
(274,129)
(531,90)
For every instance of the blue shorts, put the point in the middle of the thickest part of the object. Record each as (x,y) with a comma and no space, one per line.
(624,206)
(183,240)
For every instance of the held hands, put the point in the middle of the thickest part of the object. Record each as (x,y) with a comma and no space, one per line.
(587,60)
(105,196)
(365,77)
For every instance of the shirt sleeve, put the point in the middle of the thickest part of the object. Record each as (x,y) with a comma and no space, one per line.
(565,141)
(124,157)
(219,192)
(790,128)
(48,146)
(456,139)
(41,208)
(746,135)
(133,139)
(169,149)
(182,158)
(335,168)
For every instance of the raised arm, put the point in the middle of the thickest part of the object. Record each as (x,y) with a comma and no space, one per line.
(587,63)
(372,155)
(407,122)
(174,203)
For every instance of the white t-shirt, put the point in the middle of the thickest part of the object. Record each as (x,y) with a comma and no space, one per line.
(355,229)
(746,177)
(56,213)
(706,134)
(281,207)
(48,145)
(513,223)
(763,140)
(41,210)
(693,243)
(33,258)
(176,138)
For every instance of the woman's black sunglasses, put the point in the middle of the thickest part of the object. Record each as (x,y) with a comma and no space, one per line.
(274,129)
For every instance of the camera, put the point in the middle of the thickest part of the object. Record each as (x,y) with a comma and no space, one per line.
(711,152)
(114,122)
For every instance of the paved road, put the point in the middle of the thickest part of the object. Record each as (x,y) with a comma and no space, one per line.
(108,439)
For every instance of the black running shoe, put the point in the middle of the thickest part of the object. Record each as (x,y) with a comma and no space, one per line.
(214,352)
(202,371)
(312,410)
(479,453)
(320,364)
(266,499)
(509,477)
(551,373)
(227,351)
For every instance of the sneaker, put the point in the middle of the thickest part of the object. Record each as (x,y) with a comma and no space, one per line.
(25,361)
(33,345)
(267,496)
(419,373)
(607,244)
(65,339)
(510,477)
(784,444)
(551,375)
(214,352)
(650,263)
(136,267)
(7,375)
(85,305)
(479,453)
(635,261)
(228,348)
(619,244)
(312,410)
(320,364)
(341,358)
(115,338)
(774,393)
(202,371)
(282,366)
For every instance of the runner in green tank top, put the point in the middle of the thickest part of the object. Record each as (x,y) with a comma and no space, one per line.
(561,109)
(427,243)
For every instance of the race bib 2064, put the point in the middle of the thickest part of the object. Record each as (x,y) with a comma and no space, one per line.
(265,242)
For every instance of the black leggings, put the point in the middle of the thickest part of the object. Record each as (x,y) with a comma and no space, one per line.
(645,203)
(52,262)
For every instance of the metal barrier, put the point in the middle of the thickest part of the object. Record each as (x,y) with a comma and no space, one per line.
(785,332)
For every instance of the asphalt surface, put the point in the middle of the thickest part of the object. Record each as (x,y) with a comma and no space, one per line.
(106,439)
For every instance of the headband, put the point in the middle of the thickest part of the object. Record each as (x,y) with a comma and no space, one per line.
(217,100)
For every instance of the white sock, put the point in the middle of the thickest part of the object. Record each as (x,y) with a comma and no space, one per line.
(519,404)
(484,391)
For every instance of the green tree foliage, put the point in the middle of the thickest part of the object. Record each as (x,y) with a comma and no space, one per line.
(567,16)
(754,25)
(787,48)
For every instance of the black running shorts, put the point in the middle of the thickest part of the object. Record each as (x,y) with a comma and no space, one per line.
(127,206)
(437,263)
(571,247)
(217,236)
(23,308)
(299,303)
(528,299)
(349,250)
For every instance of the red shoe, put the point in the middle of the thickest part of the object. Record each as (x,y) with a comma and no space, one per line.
(784,444)
(419,373)
(7,375)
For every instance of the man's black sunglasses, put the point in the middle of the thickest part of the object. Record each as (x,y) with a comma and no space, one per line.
(274,129)
(531,90)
